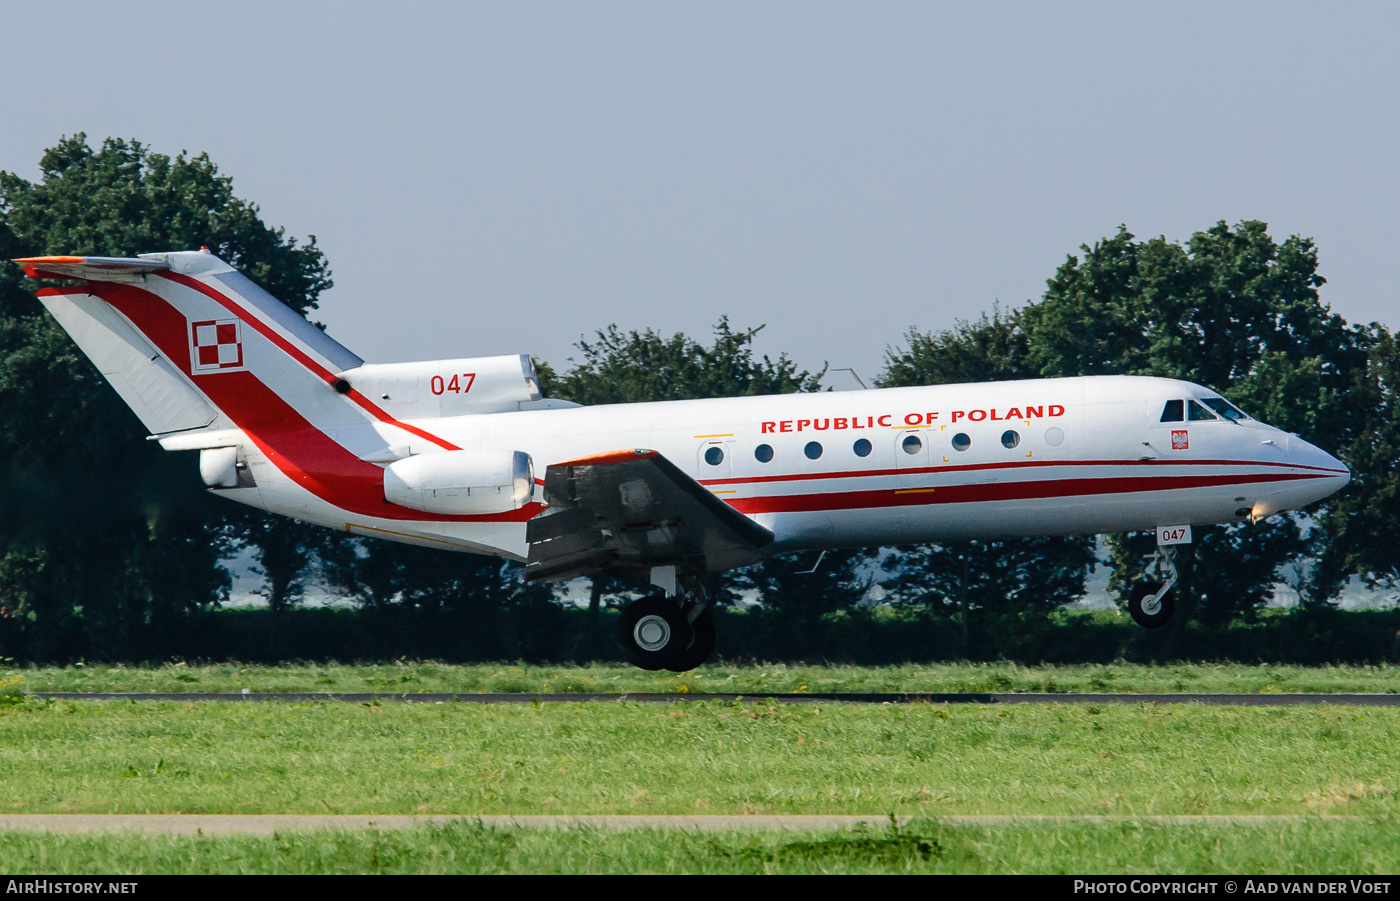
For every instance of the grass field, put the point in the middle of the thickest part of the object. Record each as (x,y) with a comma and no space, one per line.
(1308,847)
(751,680)
(695,757)
(690,757)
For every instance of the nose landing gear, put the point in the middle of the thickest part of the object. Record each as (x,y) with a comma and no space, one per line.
(1150,603)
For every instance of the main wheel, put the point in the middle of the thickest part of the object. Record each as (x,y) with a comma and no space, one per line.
(654,633)
(1145,611)
(702,645)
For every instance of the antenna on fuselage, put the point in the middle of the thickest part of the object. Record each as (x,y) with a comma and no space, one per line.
(815,566)
(860,384)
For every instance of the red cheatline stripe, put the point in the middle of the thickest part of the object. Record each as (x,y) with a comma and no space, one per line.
(297,354)
(1013,464)
(1005,491)
(621,456)
(303,452)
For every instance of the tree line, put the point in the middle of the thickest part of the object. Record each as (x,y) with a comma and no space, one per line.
(110,546)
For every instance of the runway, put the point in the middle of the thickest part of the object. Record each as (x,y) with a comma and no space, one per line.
(268,824)
(1217,699)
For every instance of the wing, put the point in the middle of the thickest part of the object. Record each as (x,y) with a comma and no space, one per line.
(627,511)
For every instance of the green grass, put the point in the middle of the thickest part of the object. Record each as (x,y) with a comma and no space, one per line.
(708,758)
(919,760)
(750,680)
(697,757)
(1307,847)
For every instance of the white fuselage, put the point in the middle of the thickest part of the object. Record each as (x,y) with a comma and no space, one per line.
(1043,457)
(288,420)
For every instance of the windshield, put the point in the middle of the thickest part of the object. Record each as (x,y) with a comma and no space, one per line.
(1224,408)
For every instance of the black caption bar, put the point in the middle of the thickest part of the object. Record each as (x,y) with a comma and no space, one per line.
(1043,886)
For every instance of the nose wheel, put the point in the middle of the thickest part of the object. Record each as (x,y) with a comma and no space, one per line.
(660,633)
(1150,603)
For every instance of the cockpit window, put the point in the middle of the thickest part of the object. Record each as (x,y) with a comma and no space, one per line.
(1224,408)
(1199,413)
(1174,411)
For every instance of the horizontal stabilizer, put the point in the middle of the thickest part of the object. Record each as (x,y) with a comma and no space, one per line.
(93,268)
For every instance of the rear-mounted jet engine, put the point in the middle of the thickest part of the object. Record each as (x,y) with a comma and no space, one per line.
(446,387)
(462,482)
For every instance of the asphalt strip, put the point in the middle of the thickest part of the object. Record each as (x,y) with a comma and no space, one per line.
(269,824)
(1221,699)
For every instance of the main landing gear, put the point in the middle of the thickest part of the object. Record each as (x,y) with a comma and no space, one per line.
(675,633)
(1150,603)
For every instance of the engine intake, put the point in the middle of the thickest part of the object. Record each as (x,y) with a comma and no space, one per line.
(446,387)
(461,482)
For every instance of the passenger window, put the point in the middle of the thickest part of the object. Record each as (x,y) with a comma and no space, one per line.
(813,450)
(912,444)
(1010,439)
(961,441)
(862,448)
(763,453)
(1199,413)
(714,455)
(1173,411)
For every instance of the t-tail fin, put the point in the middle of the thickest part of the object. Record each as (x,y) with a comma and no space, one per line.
(189,343)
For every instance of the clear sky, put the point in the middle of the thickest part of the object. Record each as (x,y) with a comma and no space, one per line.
(505,177)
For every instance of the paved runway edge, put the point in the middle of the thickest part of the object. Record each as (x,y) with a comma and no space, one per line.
(1239,700)
(269,824)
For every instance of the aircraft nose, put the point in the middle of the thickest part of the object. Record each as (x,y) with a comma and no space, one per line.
(1338,473)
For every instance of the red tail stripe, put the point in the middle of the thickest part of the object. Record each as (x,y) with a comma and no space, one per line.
(315,461)
(303,452)
(297,354)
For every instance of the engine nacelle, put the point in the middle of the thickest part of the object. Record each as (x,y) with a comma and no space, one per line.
(461,482)
(447,387)
(218,467)
(224,467)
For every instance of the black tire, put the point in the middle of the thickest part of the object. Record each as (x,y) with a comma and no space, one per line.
(702,644)
(653,633)
(1141,592)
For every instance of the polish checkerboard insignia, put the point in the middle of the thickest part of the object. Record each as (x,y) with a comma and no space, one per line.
(216,345)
